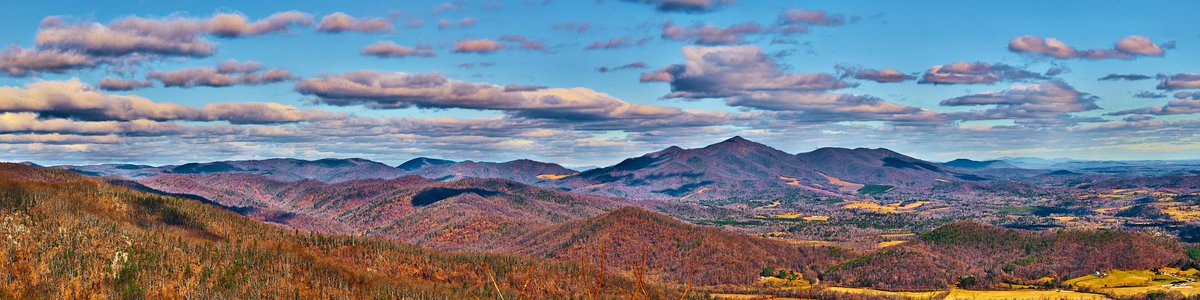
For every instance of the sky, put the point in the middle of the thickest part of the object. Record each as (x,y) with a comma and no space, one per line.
(589,83)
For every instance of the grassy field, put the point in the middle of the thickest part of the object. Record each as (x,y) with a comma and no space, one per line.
(1119,278)
(1136,282)
(890,294)
(960,294)
(893,208)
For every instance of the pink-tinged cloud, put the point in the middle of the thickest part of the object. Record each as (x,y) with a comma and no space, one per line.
(524,42)
(1187,95)
(19,62)
(1175,107)
(74,99)
(615,43)
(339,22)
(236,25)
(391,49)
(171,36)
(443,24)
(628,66)
(228,73)
(976,73)
(1042,100)
(383,90)
(1128,47)
(811,17)
(1179,81)
(117,84)
(448,6)
(579,27)
(703,34)
(716,72)
(876,75)
(233,66)
(481,46)
(687,6)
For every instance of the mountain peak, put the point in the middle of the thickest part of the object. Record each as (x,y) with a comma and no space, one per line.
(737,139)
(738,142)
(421,162)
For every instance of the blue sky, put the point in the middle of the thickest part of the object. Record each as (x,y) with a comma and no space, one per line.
(755,80)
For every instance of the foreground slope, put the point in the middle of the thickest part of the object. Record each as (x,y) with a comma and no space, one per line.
(70,236)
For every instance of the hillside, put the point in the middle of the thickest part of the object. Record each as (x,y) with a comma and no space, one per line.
(70,236)
(673,248)
(467,214)
(881,167)
(979,256)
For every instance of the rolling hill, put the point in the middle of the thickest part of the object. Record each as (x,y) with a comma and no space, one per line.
(979,256)
(673,248)
(976,164)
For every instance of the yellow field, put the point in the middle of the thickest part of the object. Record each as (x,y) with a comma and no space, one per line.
(811,242)
(1134,291)
(749,297)
(791,215)
(845,186)
(816,218)
(1064,218)
(1183,213)
(1131,283)
(1119,278)
(894,208)
(552,176)
(908,295)
(890,243)
(896,235)
(960,294)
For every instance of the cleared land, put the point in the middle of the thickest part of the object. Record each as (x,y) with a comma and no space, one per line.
(960,294)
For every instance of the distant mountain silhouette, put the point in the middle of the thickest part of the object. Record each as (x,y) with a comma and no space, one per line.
(738,167)
(521,170)
(975,164)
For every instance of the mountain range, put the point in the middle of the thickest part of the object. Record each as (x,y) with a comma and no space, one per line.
(734,168)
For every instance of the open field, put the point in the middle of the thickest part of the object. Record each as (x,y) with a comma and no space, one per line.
(960,294)
(1136,282)
(872,292)
(893,208)
(552,176)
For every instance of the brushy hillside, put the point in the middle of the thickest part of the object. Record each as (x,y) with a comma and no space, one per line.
(63,236)
(674,249)
(978,256)
(468,214)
